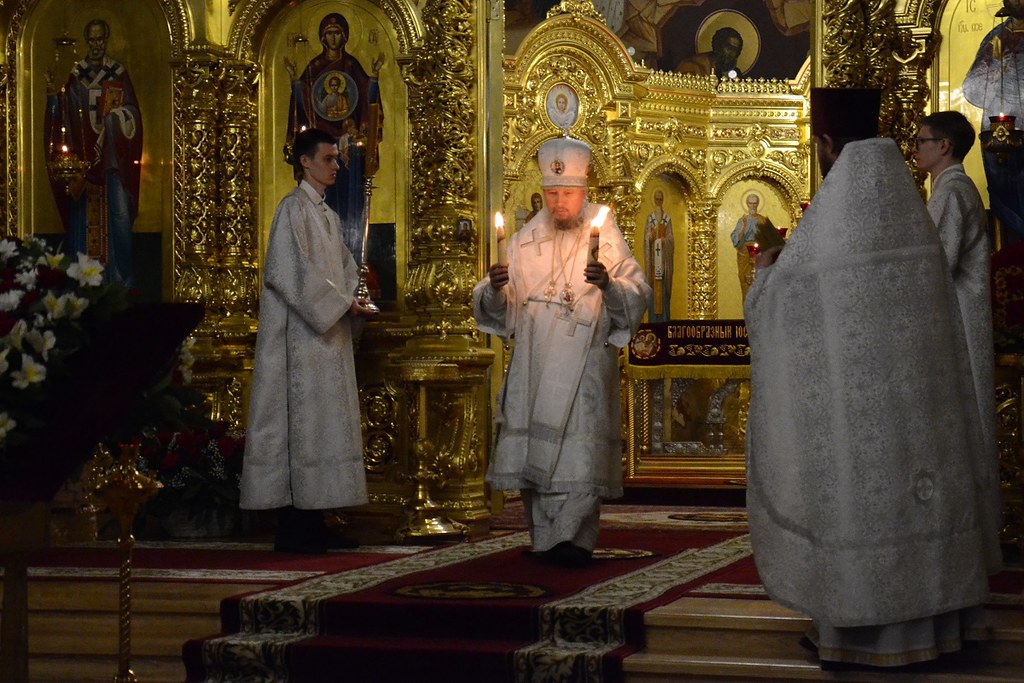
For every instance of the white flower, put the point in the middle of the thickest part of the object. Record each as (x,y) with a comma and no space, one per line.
(88,271)
(55,308)
(74,305)
(6,425)
(3,360)
(17,333)
(8,249)
(50,259)
(10,300)
(27,279)
(31,373)
(42,342)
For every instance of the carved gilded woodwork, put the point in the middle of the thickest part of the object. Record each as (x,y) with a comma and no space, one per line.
(8,221)
(1010,445)
(640,123)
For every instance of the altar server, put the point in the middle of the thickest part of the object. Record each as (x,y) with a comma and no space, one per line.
(304,447)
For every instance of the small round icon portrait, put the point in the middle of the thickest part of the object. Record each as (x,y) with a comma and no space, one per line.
(563,106)
(335,95)
(645,345)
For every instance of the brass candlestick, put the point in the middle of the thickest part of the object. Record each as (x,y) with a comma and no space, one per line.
(362,289)
(124,490)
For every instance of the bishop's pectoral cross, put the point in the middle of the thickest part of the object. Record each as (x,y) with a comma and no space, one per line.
(573,320)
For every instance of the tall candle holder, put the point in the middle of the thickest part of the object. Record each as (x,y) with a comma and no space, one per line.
(371,163)
(1002,137)
(362,289)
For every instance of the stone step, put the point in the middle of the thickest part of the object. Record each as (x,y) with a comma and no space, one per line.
(711,626)
(73,625)
(664,668)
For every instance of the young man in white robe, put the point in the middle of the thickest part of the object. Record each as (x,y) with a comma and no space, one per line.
(304,446)
(872,500)
(558,417)
(942,142)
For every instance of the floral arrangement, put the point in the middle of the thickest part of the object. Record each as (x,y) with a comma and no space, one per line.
(200,470)
(51,304)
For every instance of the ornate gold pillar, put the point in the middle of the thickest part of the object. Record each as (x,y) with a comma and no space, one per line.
(7,218)
(863,46)
(214,241)
(702,260)
(444,75)
(1010,446)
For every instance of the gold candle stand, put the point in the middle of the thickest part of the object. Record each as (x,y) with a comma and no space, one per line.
(124,490)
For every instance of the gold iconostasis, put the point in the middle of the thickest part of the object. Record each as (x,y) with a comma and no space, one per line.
(697,114)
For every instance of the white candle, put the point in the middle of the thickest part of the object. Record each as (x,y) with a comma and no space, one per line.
(499,234)
(595,235)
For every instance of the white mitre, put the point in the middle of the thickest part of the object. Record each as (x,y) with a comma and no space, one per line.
(564,162)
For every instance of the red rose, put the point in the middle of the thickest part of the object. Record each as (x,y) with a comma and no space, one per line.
(50,278)
(227,447)
(190,444)
(7,322)
(171,461)
(29,299)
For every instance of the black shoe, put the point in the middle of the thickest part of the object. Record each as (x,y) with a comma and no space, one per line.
(286,544)
(565,554)
(300,531)
(335,541)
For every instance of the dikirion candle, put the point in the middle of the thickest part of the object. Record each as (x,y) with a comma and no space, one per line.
(499,235)
(595,235)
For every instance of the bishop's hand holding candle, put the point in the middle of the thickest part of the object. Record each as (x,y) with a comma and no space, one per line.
(596,272)
(498,272)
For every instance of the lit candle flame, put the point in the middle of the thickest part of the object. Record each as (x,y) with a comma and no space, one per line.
(499,234)
(595,235)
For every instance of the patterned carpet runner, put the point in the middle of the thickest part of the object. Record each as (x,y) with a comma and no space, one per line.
(484,612)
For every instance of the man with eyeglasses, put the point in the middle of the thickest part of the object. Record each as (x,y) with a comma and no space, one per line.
(942,142)
(872,506)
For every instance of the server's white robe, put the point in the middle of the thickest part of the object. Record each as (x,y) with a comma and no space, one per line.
(558,417)
(956,207)
(871,498)
(303,440)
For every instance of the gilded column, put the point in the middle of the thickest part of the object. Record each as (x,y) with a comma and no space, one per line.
(443,158)
(236,280)
(702,260)
(446,446)
(196,186)
(7,218)
(214,240)
(863,46)
(238,243)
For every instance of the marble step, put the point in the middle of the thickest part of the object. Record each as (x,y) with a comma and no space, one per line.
(719,639)
(664,668)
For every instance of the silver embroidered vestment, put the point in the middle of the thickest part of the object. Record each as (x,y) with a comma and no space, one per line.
(303,440)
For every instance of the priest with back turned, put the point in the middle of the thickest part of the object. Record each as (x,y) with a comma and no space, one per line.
(558,417)
(872,500)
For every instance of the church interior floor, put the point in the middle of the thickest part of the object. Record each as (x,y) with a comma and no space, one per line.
(725,631)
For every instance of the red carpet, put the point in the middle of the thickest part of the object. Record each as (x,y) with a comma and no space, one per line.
(477,612)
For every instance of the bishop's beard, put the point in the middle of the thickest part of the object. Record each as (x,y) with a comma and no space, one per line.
(570,223)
